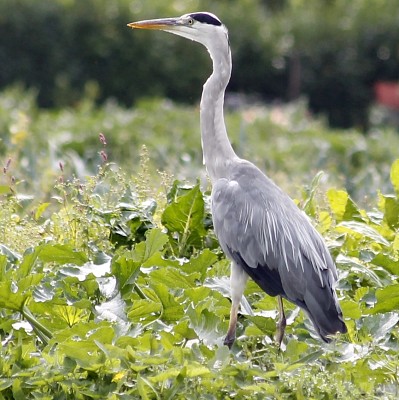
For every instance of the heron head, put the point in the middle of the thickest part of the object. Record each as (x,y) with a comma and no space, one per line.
(202,27)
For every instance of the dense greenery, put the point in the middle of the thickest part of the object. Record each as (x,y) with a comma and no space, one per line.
(330,51)
(112,284)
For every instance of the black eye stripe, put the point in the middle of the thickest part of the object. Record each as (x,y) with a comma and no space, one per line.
(206,18)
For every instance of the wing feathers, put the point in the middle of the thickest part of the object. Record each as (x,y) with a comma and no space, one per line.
(263,231)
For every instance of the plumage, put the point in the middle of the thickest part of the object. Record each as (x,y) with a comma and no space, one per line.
(259,227)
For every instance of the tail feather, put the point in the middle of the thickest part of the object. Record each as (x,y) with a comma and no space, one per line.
(324,312)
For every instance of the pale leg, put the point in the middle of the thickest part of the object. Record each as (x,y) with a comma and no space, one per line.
(282,322)
(238,280)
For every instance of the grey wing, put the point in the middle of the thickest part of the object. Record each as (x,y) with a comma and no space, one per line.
(263,231)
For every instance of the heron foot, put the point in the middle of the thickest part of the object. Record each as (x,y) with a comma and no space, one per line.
(229,341)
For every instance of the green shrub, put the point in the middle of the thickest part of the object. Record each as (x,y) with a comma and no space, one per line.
(331,51)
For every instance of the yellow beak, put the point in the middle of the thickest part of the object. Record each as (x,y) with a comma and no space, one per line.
(157,24)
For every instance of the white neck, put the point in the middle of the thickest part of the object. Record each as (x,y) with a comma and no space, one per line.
(216,146)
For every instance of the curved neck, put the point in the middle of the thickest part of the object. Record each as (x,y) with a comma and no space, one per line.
(216,146)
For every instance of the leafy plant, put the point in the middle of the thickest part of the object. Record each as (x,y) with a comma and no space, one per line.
(132,302)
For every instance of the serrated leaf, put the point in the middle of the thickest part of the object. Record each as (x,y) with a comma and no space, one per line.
(125,269)
(172,310)
(207,325)
(155,241)
(200,263)
(186,217)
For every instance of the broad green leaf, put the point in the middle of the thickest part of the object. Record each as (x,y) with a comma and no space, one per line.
(173,278)
(387,299)
(186,217)
(10,300)
(61,254)
(395,175)
(387,262)
(207,325)
(155,241)
(391,211)
(13,296)
(143,309)
(28,262)
(350,309)
(200,263)
(172,310)
(362,229)
(266,325)
(342,206)
(380,325)
(125,269)
(355,265)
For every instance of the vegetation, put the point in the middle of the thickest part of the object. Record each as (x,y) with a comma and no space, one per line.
(112,284)
(332,52)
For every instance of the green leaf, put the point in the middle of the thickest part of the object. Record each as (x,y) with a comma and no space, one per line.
(125,269)
(395,175)
(387,262)
(143,309)
(173,278)
(28,262)
(40,210)
(207,325)
(309,204)
(146,389)
(362,229)
(350,309)
(172,310)
(387,299)
(342,206)
(155,241)
(61,254)
(186,217)
(391,211)
(200,263)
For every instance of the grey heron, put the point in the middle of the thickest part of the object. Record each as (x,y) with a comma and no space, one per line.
(258,226)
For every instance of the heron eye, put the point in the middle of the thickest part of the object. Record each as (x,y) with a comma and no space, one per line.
(190,21)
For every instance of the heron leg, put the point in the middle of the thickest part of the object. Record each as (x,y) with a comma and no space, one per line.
(282,322)
(238,280)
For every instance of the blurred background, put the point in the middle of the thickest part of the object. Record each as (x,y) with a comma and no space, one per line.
(337,61)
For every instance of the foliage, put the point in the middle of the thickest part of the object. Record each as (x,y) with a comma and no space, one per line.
(39,148)
(85,314)
(332,52)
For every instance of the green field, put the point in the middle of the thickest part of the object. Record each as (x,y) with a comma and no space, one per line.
(112,283)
